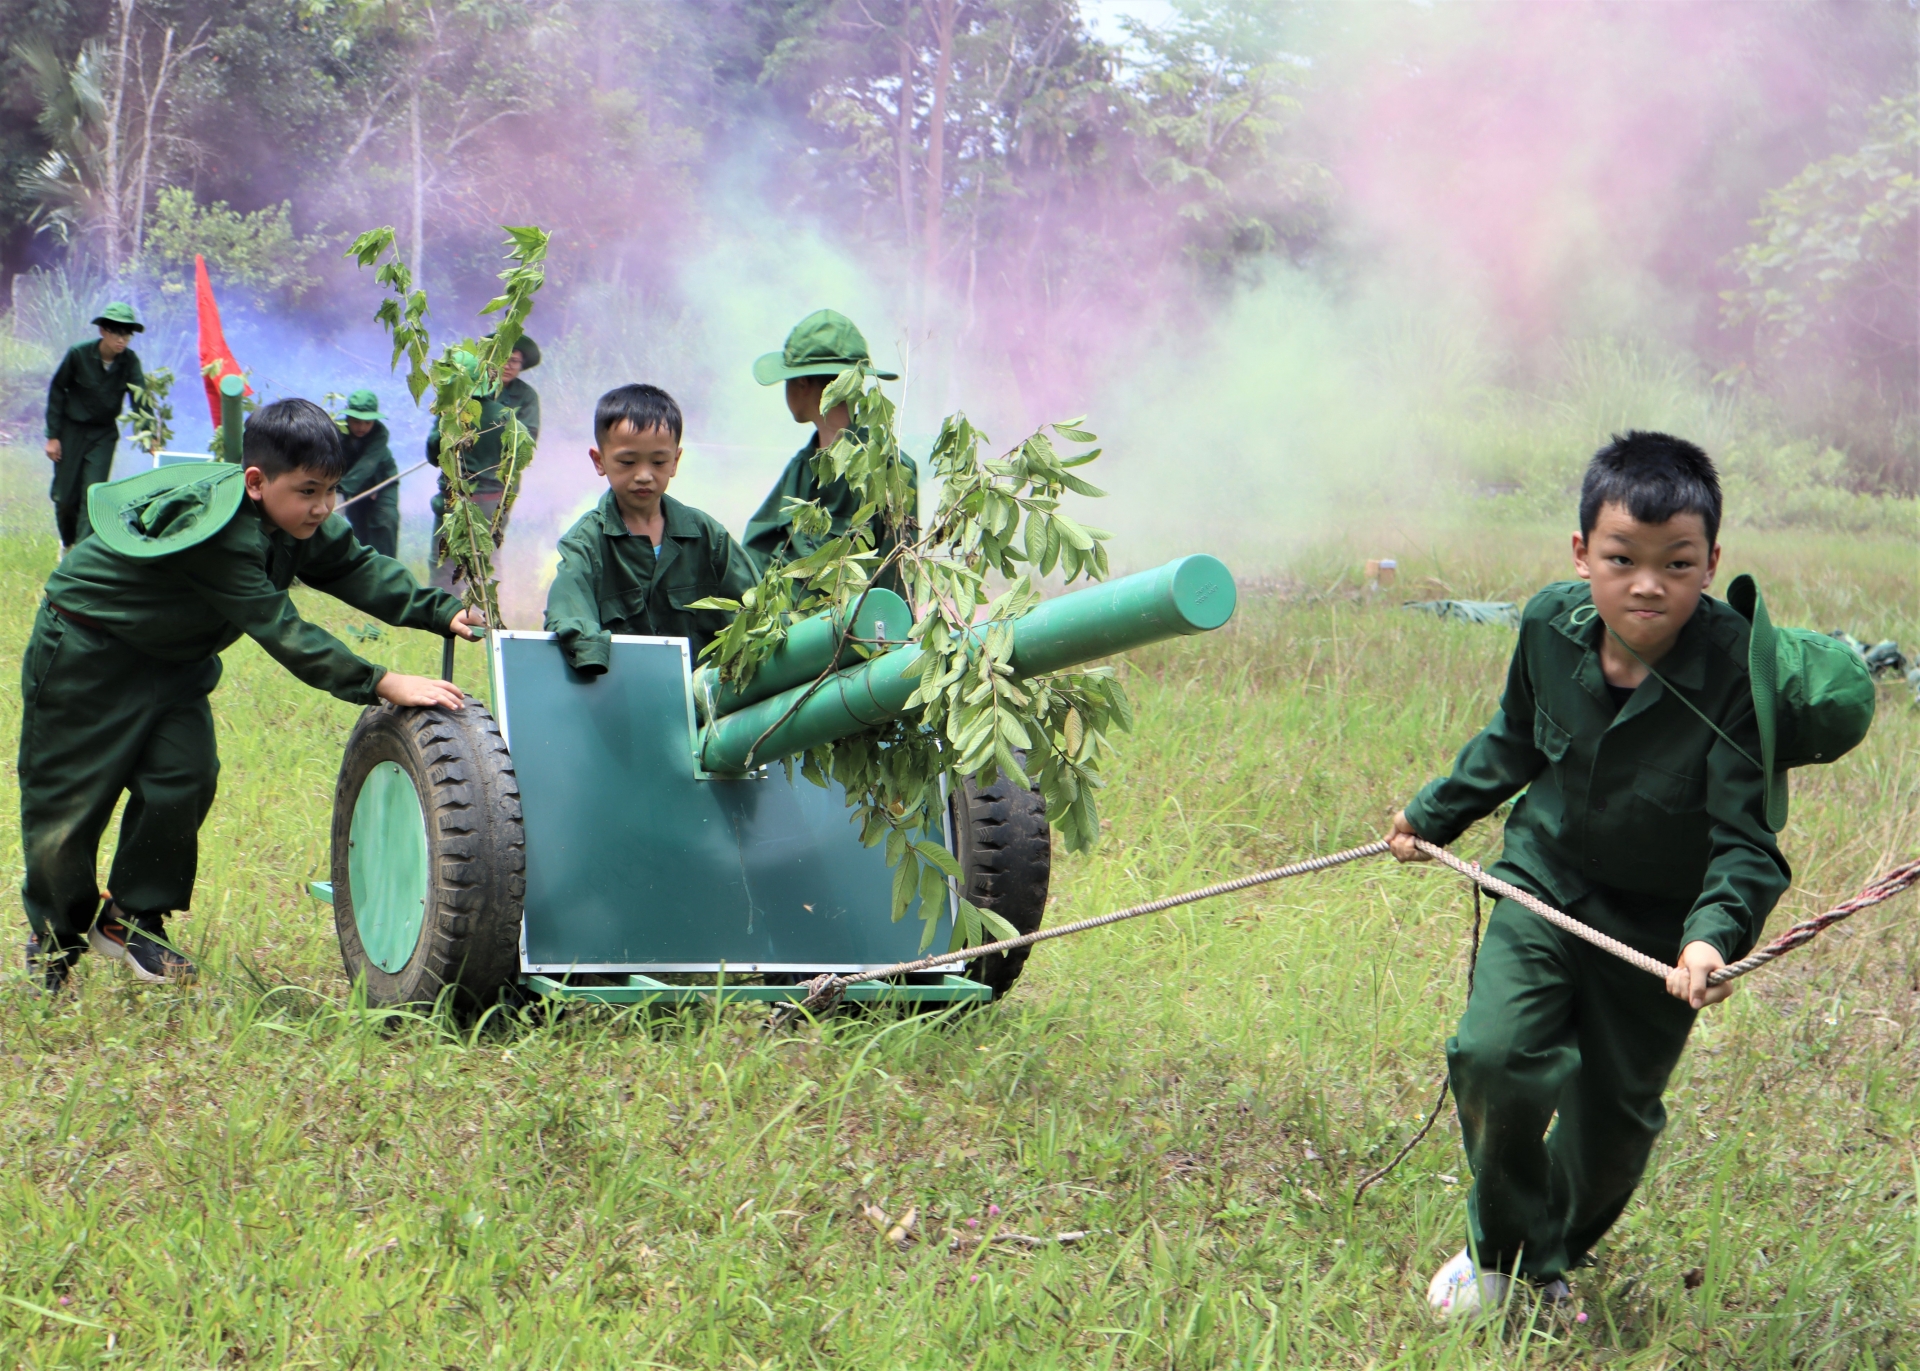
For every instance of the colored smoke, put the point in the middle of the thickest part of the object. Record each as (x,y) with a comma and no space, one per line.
(1513,185)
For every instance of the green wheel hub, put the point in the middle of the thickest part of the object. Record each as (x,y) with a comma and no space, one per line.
(387,865)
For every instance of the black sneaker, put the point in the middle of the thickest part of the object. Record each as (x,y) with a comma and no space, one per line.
(140,940)
(47,970)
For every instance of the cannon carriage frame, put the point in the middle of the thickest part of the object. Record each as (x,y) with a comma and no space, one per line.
(587,836)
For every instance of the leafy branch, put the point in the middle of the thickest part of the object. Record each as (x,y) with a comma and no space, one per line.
(461,378)
(150,420)
(995,518)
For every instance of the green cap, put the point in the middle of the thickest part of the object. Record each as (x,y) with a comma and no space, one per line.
(825,343)
(364,404)
(120,315)
(167,509)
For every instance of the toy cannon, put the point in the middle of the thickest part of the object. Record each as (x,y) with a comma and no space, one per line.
(589,835)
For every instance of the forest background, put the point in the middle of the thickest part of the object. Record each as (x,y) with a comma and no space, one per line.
(1296,260)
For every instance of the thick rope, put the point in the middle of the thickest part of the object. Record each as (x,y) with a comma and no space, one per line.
(1882,889)
(1471,870)
(824,990)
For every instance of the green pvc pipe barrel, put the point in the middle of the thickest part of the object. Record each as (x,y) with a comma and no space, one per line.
(231,389)
(807,651)
(1192,595)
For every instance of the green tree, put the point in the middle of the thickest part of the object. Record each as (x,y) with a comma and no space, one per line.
(258,252)
(105,117)
(1208,103)
(1833,278)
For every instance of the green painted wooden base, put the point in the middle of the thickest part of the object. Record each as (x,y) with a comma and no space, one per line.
(646,990)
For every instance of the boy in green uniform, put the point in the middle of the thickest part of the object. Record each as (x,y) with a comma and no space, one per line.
(636,561)
(83,415)
(819,348)
(1629,720)
(515,393)
(376,518)
(126,648)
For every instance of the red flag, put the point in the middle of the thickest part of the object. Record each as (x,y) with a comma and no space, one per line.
(214,351)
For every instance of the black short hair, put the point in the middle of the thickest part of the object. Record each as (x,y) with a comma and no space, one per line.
(1653,476)
(640,406)
(293,435)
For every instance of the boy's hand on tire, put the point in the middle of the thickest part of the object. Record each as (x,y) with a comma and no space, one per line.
(420,691)
(1688,981)
(1400,841)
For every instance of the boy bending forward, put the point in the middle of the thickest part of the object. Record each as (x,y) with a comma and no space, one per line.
(126,649)
(1641,818)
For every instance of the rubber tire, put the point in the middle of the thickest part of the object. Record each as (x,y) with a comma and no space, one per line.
(1006,857)
(476,854)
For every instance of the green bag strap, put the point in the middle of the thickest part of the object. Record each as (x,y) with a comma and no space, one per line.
(1674,691)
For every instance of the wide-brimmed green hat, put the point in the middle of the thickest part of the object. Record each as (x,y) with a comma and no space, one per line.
(1813,697)
(825,343)
(528,349)
(364,404)
(167,509)
(120,315)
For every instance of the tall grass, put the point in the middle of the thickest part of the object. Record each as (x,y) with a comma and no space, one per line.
(257,1171)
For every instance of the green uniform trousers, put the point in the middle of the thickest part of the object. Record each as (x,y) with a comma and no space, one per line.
(98,718)
(1555,1026)
(86,459)
(439,573)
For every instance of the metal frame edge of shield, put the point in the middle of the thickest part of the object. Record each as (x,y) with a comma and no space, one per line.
(638,862)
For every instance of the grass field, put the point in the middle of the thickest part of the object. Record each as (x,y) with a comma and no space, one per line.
(255,1172)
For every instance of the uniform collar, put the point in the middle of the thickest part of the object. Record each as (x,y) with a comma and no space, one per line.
(1685,666)
(680,527)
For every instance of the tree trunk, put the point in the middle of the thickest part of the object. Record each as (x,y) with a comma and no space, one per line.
(903,125)
(419,193)
(111,190)
(146,143)
(946,14)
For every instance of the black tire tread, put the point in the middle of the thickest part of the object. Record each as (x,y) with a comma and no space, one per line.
(1006,858)
(476,853)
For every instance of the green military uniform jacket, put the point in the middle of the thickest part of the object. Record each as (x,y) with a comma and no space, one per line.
(85,392)
(376,519)
(190,605)
(523,400)
(480,463)
(771,536)
(1648,800)
(611,581)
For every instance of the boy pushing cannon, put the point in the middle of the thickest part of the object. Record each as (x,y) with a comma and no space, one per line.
(126,648)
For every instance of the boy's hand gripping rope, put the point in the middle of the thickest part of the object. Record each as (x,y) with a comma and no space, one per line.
(824,990)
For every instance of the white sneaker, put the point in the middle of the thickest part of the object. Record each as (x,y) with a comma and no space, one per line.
(1461,1290)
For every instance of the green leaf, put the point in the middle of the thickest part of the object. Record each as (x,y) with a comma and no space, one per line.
(905,875)
(940,857)
(995,928)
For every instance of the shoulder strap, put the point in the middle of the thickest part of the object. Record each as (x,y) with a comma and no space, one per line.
(1675,692)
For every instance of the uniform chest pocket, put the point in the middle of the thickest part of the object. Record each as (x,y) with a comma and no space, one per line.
(1552,740)
(683,597)
(1676,792)
(621,604)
